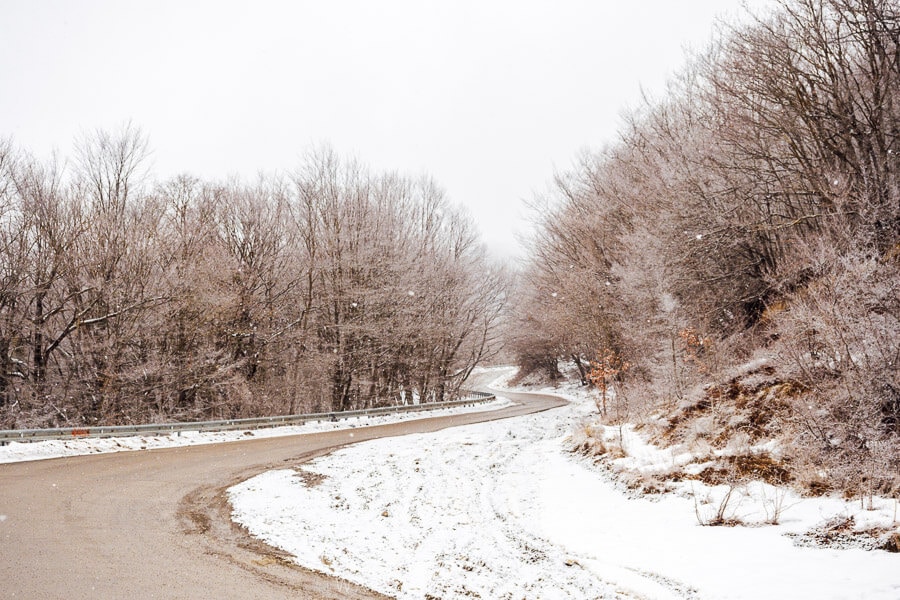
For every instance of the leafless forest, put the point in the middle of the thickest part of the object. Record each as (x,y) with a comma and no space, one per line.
(331,288)
(732,261)
(730,265)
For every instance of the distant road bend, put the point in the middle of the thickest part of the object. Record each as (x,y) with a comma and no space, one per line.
(155,524)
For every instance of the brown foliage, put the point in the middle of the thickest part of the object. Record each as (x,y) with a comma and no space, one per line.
(605,369)
(753,211)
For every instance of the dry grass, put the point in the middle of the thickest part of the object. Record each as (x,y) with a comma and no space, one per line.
(587,439)
(756,466)
(744,405)
(645,483)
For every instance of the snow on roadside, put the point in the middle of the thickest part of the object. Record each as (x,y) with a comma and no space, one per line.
(25,451)
(430,517)
(501,510)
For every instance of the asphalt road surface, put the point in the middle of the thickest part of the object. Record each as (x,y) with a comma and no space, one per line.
(156,524)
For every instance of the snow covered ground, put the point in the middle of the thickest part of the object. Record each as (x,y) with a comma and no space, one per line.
(23,451)
(502,510)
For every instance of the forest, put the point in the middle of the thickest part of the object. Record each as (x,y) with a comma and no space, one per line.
(731,262)
(727,268)
(127,300)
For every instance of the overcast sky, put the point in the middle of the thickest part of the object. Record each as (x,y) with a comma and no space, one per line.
(490,98)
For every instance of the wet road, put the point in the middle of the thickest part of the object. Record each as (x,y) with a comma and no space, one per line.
(155,524)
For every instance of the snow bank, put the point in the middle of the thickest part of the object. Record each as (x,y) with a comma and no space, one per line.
(501,510)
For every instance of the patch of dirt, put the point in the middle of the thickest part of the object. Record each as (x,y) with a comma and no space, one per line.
(205,515)
(309,478)
(840,533)
(644,484)
(745,467)
(753,404)
(196,521)
(816,487)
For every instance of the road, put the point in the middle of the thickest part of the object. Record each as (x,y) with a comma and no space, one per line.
(156,524)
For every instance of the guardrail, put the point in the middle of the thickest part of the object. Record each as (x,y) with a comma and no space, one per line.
(68,433)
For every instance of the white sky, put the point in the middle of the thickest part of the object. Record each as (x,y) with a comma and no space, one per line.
(487,97)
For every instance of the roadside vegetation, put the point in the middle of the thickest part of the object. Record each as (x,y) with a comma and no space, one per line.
(727,272)
(124,299)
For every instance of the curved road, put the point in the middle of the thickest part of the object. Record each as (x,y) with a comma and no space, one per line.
(156,524)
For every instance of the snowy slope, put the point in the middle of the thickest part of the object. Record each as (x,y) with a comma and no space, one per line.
(501,510)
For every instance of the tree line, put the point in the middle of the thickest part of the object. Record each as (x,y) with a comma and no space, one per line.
(125,300)
(751,212)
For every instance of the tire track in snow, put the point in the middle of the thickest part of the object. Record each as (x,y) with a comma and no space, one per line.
(445,515)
